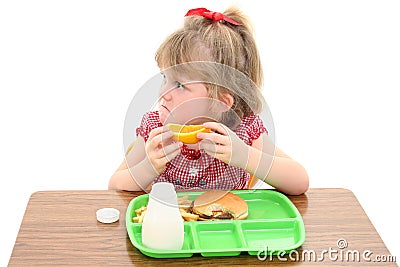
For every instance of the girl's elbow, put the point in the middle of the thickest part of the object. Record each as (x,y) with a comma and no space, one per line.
(297,191)
(111,184)
(303,186)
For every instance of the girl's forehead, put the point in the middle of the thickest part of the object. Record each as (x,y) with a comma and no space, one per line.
(192,71)
(180,75)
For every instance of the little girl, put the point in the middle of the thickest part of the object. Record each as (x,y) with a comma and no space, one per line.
(205,65)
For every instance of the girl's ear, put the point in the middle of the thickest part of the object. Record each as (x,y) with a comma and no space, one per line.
(227,99)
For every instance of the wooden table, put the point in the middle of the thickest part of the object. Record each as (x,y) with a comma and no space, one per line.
(60,228)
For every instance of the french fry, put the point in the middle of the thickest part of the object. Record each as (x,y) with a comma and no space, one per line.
(184,204)
(139,214)
(188,217)
(140,210)
(141,217)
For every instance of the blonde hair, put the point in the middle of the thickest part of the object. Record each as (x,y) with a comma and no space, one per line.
(202,39)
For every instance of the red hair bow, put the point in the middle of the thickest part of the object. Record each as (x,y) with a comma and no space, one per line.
(215,16)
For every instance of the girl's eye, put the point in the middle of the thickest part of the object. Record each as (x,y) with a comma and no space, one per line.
(179,86)
(163,76)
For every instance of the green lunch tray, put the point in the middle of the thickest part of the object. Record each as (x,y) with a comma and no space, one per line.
(273,225)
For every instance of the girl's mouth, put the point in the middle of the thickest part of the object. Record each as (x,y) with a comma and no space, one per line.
(166,108)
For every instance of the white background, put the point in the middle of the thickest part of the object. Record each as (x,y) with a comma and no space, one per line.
(69,69)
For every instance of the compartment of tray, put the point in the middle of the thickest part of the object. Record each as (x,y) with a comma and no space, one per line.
(186,251)
(268,205)
(218,238)
(272,236)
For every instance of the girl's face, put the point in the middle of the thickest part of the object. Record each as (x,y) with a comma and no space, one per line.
(183,103)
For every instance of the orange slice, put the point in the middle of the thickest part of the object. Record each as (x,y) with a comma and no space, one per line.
(187,133)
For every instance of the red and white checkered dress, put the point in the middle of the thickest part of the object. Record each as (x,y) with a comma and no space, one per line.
(195,169)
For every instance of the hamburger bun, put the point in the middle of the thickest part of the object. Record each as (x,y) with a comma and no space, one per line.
(220,205)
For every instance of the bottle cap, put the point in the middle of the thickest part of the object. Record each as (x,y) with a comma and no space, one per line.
(107,215)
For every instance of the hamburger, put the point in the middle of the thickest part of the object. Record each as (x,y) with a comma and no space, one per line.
(220,205)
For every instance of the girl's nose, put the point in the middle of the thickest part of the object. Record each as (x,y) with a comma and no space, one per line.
(167,94)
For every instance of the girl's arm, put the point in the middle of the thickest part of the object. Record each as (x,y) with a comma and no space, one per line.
(145,161)
(138,176)
(261,159)
(275,167)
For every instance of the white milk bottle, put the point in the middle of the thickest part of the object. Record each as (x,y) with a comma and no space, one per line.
(162,226)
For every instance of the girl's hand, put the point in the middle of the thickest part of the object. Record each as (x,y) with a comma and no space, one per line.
(224,145)
(160,148)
